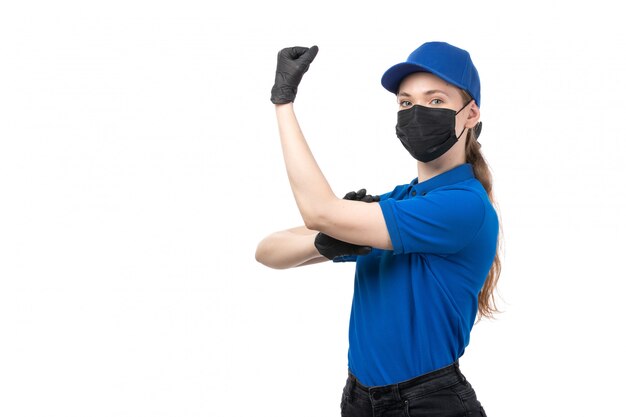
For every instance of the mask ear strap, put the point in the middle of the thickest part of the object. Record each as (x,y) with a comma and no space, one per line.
(462,131)
(461,109)
(478,128)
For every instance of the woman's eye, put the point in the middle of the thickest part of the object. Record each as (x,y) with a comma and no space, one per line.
(405,103)
(436,101)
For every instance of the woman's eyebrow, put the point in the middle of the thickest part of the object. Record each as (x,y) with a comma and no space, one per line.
(431,92)
(426,93)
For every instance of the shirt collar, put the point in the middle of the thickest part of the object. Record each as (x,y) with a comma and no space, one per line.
(461,173)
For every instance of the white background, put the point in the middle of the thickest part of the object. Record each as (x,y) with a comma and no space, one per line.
(140,166)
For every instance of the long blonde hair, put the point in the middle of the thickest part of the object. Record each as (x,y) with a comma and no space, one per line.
(486,298)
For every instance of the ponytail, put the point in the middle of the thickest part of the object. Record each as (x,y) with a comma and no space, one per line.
(486,298)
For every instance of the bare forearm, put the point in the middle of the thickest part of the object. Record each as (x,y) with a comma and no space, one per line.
(309,186)
(348,221)
(288,249)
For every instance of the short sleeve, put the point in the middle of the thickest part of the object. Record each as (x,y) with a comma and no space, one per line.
(442,222)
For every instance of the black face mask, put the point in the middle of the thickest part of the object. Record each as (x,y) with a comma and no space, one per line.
(427,132)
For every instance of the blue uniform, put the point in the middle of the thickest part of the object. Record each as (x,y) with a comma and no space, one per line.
(414,306)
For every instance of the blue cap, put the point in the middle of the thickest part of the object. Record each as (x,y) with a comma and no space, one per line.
(447,62)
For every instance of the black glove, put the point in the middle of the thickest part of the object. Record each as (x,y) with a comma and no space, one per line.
(361,196)
(330,247)
(292,64)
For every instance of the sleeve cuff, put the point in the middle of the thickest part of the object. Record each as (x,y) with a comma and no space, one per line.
(388,208)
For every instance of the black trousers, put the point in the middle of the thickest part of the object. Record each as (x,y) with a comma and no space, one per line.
(441,393)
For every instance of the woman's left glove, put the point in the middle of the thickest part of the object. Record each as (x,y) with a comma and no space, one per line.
(292,64)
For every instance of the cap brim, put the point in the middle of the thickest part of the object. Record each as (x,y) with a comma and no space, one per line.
(393,76)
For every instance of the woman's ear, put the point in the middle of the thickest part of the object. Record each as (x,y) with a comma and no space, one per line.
(474,115)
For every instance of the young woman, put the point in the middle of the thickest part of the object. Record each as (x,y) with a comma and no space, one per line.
(426,253)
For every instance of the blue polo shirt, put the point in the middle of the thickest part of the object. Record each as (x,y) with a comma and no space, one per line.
(414,306)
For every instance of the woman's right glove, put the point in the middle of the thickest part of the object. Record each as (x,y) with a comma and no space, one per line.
(291,66)
(330,247)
